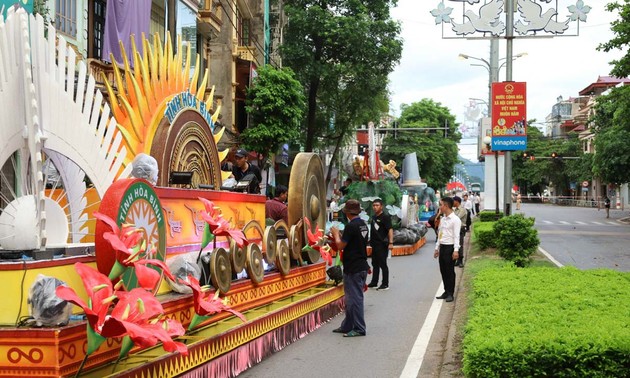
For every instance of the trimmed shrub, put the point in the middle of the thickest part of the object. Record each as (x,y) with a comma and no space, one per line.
(517,239)
(485,235)
(489,216)
(548,322)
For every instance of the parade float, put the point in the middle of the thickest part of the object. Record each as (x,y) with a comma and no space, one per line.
(404,204)
(49,231)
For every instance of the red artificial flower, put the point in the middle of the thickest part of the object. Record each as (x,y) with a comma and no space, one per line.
(129,246)
(318,242)
(219,226)
(123,240)
(204,304)
(100,296)
(139,313)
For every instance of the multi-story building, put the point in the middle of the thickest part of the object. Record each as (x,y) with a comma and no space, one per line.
(228,35)
(596,188)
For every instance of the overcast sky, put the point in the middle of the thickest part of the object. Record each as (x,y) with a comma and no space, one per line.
(559,66)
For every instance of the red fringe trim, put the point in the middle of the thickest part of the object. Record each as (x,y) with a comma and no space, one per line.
(242,358)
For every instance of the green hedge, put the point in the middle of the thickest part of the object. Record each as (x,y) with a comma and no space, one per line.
(489,216)
(484,234)
(548,322)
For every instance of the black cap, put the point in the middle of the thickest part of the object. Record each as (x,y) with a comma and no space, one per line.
(241,153)
(457,199)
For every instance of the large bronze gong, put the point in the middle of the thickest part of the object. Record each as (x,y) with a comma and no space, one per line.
(307,196)
(221,270)
(255,268)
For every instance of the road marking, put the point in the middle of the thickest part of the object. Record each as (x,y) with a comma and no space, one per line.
(419,349)
(613,223)
(558,264)
(598,223)
(548,222)
(564,222)
(578,222)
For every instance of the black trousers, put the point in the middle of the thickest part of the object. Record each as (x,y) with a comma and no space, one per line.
(379,262)
(447,268)
(462,235)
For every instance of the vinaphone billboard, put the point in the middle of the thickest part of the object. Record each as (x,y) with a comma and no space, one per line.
(509,118)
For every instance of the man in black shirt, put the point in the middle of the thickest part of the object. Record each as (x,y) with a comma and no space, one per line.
(381,241)
(242,168)
(355,267)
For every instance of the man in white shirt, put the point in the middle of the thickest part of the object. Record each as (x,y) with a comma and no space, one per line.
(447,247)
(468,205)
(477,202)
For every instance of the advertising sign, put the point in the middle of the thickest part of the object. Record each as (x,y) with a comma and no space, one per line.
(509,118)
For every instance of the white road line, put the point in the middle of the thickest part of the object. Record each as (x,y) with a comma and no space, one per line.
(548,222)
(564,222)
(613,223)
(578,222)
(419,349)
(598,223)
(558,264)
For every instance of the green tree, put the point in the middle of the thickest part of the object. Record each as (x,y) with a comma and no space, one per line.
(538,169)
(342,52)
(621,29)
(276,105)
(611,161)
(436,149)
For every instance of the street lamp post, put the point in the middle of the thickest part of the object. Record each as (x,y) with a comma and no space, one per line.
(487,140)
(493,68)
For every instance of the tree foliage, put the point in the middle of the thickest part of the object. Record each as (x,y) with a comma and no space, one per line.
(276,105)
(612,158)
(611,161)
(436,150)
(538,169)
(621,29)
(342,52)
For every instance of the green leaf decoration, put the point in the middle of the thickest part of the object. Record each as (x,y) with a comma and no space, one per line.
(94,340)
(117,270)
(196,320)
(126,346)
(207,236)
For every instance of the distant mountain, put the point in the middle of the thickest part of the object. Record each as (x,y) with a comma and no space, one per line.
(475,170)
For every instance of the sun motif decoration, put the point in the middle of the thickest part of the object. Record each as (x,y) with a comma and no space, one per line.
(144,91)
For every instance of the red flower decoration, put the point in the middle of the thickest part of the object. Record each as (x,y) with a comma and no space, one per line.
(206,305)
(139,313)
(318,241)
(219,226)
(100,296)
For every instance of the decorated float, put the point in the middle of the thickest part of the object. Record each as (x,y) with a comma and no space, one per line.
(50,234)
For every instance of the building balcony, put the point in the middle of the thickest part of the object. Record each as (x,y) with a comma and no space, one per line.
(210,17)
(246,53)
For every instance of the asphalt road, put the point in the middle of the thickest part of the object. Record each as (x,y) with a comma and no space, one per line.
(580,237)
(394,319)
(583,237)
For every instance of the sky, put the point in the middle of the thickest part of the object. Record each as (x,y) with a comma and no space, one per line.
(553,67)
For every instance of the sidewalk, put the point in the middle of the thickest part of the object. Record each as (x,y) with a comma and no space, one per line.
(443,356)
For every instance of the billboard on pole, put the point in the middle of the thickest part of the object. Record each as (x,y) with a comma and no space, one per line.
(509,116)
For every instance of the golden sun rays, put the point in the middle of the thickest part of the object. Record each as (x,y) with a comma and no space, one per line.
(144,91)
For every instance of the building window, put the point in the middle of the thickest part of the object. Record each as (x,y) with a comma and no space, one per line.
(243,30)
(98,22)
(187,28)
(66,17)
(158,22)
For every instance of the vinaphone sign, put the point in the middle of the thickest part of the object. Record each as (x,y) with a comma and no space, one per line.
(509,116)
